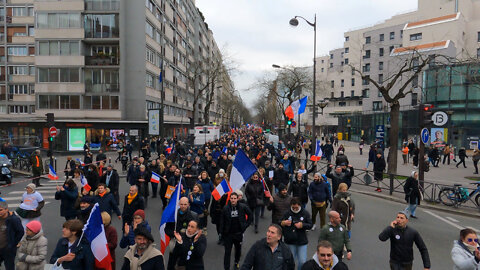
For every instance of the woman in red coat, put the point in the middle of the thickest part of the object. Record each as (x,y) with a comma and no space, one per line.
(111,234)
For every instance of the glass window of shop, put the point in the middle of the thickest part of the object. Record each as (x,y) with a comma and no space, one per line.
(21,136)
(103,138)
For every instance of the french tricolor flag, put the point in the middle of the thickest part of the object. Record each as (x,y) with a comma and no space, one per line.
(318,152)
(225,150)
(169,215)
(81,162)
(221,189)
(95,234)
(242,170)
(84,183)
(297,107)
(52,175)
(155,178)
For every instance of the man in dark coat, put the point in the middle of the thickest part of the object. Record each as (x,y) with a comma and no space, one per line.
(189,248)
(111,179)
(37,167)
(143,255)
(279,204)
(11,232)
(328,151)
(106,201)
(133,202)
(324,259)
(379,166)
(280,176)
(101,157)
(184,216)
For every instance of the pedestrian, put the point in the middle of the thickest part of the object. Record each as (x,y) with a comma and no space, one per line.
(379,166)
(341,158)
(328,151)
(475,159)
(92,176)
(37,167)
(324,258)
(32,203)
(85,207)
(402,238)
(337,234)
(235,219)
(299,188)
(207,188)
(143,178)
(462,154)
(67,194)
(101,157)
(111,235)
(105,200)
(405,154)
(255,195)
(338,176)
(269,253)
(112,181)
(279,204)
(465,251)
(11,232)
(132,202)
(413,194)
(139,220)
(189,248)
(184,216)
(360,146)
(319,193)
(69,167)
(446,154)
(295,224)
(73,252)
(371,155)
(132,172)
(143,254)
(280,176)
(345,206)
(154,167)
(32,250)
(197,204)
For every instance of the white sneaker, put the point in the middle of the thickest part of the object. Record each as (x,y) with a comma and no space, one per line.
(314,227)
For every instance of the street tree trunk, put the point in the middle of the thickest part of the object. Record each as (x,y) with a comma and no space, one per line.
(393,137)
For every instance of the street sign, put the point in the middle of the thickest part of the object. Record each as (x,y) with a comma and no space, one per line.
(380,132)
(439,118)
(425,135)
(294,124)
(52,131)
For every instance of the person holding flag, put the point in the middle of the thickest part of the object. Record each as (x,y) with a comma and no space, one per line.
(72,251)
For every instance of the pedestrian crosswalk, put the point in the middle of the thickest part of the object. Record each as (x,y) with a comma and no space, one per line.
(47,190)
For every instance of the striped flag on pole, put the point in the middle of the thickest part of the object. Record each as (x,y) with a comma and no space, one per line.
(155,178)
(52,175)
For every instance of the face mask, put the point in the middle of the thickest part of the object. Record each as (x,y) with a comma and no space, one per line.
(295,211)
(220,174)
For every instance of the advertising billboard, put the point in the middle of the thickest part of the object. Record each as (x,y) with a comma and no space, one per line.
(76,139)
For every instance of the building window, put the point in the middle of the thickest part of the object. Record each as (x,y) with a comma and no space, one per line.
(391,48)
(18,51)
(415,81)
(59,47)
(368,40)
(332,84)
(18,89)
(342,94)
(100,102)
(22,11)
(478,53)
(382,37)
(322,69)
(150,55)
(18,109)
(332,94)
(380,52)
(149,29)
(18,70)
(392,35)
(365,80)
(342,83)
(478,36)
(331,56)
(366,93)
(380,78)
(367,54)
(366,67)
(150,80)
(347,50)
(377,106)
(352,93)
(58,20)
(331,65)
(346,61)
(353,81)
(347,38)
(102,26)
(414,99)
(353,71)
(379,94)
(380,65)
(342,103)
(417,36)
(55,75)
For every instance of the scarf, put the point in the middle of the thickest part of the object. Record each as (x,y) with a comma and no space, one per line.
(130,197)
(102,194)
(296,212)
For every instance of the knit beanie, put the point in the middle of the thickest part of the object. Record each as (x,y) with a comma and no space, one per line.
(34,226)
(140,213)
(32,186)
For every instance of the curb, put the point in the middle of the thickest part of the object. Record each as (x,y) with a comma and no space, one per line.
(425,205)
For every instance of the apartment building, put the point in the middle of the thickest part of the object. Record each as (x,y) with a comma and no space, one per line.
(99,66)
(449,28)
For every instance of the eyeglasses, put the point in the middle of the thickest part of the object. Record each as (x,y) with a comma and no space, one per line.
(326,255)
(473,240)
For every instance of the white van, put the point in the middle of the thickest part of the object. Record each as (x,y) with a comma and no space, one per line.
(204,134)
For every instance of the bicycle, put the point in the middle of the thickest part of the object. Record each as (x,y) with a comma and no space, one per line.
(457,195)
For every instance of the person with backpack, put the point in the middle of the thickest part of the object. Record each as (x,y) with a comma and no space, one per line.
(413,194)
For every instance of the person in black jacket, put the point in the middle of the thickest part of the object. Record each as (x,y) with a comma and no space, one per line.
(101,157)
(462,154)
(324,258)
(298,188)
(105,200)
(402,238)
(280,176)
(67,194)
(295,224)
(338,176)
(189,248)
(143,255)
(235,219)
(12,233)
(328,151)
(111,179)
(132,173)
(92,176)
(133,202)
(319,193)
(379,166)
(412,194)
(69,167)
(341,158)
(261,257)
(143,178)
(184,216)
(254,193)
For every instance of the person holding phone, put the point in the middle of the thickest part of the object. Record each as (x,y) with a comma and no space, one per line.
(465,251)
(402,238)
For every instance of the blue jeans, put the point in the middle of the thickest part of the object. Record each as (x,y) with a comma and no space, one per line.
(411,208)
(299,254)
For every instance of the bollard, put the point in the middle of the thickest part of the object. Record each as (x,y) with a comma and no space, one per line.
(391,183)
(109,160)
(55,162)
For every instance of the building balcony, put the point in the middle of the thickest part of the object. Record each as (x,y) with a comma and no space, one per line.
(101,87)
(102,5)
(97,60)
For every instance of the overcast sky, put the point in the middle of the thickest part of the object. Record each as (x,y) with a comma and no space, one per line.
(256,33)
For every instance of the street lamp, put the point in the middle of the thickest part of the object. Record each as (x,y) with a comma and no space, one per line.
(294,22)
(323,103)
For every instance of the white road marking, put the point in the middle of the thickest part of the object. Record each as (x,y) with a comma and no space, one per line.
(444,220)
(19,198)
(452,219)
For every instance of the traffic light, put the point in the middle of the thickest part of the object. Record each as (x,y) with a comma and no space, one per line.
(425,115)
(50,119)
(50,139)
(289,122)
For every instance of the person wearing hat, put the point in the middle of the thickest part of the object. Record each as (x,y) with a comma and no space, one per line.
(319,193)
(379,166)
(143,254)
(86,205)
(139,220)
(111,179)
(189,248)
(32,202)
(11,232)
(111,235)
(402,238)
(32,250)
(67,194)
(279,204)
